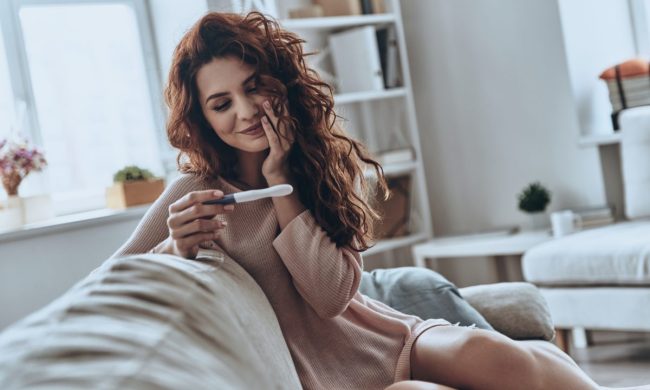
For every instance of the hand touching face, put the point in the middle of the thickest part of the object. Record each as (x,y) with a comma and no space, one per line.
(280,139)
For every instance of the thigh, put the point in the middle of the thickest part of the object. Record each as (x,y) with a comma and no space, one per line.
(467,358)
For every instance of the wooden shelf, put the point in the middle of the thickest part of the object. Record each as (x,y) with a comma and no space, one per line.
(335,22)
(599,139)
(354,97)
(394,243)
(394,169)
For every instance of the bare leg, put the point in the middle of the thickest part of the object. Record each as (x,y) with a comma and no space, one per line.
(416,385)
(478,359)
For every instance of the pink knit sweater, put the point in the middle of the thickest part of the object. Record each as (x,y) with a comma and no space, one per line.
(338,338)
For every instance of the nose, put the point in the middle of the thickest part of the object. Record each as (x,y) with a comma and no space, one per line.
(248,109)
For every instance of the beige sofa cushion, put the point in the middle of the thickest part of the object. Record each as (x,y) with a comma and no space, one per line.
(152,321)
(516,309)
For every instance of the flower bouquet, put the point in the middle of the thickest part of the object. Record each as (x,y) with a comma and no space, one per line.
(17,160)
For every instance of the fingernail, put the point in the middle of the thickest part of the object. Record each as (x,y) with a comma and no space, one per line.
(267,104)
(224,223)
(218,193)
(265,119)
(229,207)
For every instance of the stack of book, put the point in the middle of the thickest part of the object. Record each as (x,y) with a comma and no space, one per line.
(636,92)
(595,216)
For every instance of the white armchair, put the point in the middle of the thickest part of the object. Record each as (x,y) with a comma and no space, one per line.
(599,279)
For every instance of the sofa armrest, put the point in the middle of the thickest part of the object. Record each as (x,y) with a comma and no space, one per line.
(516,309)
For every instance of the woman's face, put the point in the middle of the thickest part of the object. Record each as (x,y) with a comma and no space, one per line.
(232,104)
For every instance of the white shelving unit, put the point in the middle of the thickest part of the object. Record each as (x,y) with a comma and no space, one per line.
(355,97)
(383,120)
(599,139)
(337,22)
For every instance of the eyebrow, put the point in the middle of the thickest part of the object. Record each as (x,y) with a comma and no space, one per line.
(219,94)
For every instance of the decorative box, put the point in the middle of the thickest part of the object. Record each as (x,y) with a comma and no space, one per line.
(132,193)
(396,210)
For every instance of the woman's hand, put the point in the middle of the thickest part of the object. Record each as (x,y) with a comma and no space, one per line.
(191,223)
(274,167)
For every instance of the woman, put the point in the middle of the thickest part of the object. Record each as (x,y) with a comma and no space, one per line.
(247,113)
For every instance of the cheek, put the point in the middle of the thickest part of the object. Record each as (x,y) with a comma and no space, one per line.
(222,124)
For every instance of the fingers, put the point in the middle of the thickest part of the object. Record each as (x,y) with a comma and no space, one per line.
(192,223)
(274,141)
(194,197)
(189,245)
(270,122)
(198,226)
(199,210)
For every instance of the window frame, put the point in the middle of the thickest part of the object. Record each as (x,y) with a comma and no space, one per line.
(22,88)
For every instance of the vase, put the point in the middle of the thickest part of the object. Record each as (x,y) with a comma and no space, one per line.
(11,213)
(10,182)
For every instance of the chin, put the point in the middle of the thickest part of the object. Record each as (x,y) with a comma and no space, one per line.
(254,147)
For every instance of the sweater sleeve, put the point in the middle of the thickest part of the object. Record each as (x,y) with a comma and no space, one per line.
(152,228)
(327,277)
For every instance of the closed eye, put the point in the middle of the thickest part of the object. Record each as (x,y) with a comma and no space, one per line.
(222,107)
(225,105)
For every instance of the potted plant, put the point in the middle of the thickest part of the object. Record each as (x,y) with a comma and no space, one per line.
(533,200)
(133,186)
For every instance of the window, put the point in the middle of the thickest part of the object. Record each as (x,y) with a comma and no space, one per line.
(6,93)
(96,103)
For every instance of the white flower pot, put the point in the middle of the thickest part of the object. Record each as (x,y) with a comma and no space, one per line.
(11,214)
(539,220)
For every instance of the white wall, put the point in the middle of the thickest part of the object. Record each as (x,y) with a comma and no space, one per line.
(597,35)
(496,111)
(35,270)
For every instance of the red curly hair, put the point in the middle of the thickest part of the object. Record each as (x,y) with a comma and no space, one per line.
(326,165)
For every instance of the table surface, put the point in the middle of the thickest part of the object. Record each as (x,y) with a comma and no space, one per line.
(478,245)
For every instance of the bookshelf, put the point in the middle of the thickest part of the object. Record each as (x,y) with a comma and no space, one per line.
(383,118)
(337,22)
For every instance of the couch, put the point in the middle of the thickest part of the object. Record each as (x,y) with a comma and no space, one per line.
(599,279)
(160,321)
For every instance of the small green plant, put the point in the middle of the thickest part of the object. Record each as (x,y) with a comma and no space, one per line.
(534,198)
(132,173)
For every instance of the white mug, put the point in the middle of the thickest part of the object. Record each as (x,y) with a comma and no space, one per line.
(565,222)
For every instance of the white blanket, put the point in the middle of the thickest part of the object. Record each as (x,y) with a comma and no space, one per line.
(152,321)
(616,254)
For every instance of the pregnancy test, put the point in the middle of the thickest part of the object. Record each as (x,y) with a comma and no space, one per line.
(249,196)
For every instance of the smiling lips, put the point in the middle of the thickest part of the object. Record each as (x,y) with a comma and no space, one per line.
(256,129)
